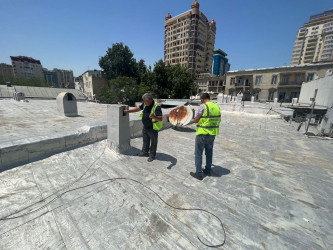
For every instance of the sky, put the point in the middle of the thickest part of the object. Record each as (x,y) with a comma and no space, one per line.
(73,35)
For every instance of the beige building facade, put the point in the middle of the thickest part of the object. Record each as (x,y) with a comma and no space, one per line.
(26,67)
(314,41)
(209,83)
(189,40)
(283,83)
(92,81)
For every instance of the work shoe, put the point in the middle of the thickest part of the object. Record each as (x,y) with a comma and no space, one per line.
(195,176)
(142,154)
(207,173)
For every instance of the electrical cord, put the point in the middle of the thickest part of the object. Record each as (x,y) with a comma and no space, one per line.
(111,180)
(123,178)
(67,186)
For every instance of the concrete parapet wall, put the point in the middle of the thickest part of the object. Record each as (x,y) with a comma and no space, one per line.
(32,149)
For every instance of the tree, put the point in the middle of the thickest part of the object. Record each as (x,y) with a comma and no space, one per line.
(34,81)
(118,61)
(162,78)
(122,90)
(183,82)
(173,81)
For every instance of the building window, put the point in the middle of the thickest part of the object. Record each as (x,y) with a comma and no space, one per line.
(298,78)
(271,95)
(310,77)
(258,80)
(232,81)
(274,79)
(285,79)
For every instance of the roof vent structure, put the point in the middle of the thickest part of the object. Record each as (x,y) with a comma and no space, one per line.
(66,104)
(18,96)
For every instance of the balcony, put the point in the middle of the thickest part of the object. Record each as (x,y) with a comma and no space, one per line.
(242,84)
(290,84)
(310,49)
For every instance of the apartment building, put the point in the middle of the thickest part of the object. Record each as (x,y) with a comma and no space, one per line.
(189,40)
(6,73)
(283,83)
(59,78)
(314,41)
(51,77)
(220,63)
(92,81)
(207,82)
(26,67)
(65,78)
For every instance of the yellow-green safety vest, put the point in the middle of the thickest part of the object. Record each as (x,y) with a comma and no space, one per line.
(156,125)
(210,120)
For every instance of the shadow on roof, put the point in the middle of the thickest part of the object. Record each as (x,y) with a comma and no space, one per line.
(218,171)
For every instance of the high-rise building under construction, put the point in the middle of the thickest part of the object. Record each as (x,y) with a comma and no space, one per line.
(189,40)
(314,41)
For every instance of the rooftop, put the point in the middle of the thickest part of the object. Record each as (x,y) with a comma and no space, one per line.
(305,66)
(271,187)
(24,59)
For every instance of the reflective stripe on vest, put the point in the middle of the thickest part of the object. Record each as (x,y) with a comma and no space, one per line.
(156,124)
(210,120)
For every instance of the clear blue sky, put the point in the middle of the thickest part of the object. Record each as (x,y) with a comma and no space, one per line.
(71,34)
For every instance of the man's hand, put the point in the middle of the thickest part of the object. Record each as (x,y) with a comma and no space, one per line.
(126,111)
(156,118)
(196,119)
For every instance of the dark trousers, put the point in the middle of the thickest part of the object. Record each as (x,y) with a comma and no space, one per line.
(150,138)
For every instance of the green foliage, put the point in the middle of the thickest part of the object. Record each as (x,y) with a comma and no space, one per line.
(173,81)
(118,61)
(122,89)
(182,82)
(34,81)
(129,80)
(163,79)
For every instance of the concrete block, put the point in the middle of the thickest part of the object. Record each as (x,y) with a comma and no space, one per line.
(101,133)
(78,139)
(14,154)
(52,145)
(34,150)
(118,131)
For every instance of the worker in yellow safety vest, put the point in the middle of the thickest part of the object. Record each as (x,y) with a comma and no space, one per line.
(151,116)
(208,120)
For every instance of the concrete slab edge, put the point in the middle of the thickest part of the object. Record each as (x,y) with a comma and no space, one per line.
(26,152)
(16,155)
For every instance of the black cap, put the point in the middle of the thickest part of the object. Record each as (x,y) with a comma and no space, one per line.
(205,96)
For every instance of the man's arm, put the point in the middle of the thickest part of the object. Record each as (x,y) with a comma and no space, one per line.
(196,119)
(201,109)
(132,110)
(157,118)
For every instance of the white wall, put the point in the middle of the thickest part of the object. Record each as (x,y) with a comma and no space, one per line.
(324,95)
(327,123)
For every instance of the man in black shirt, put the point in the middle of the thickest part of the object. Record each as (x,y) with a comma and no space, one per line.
(152,122)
